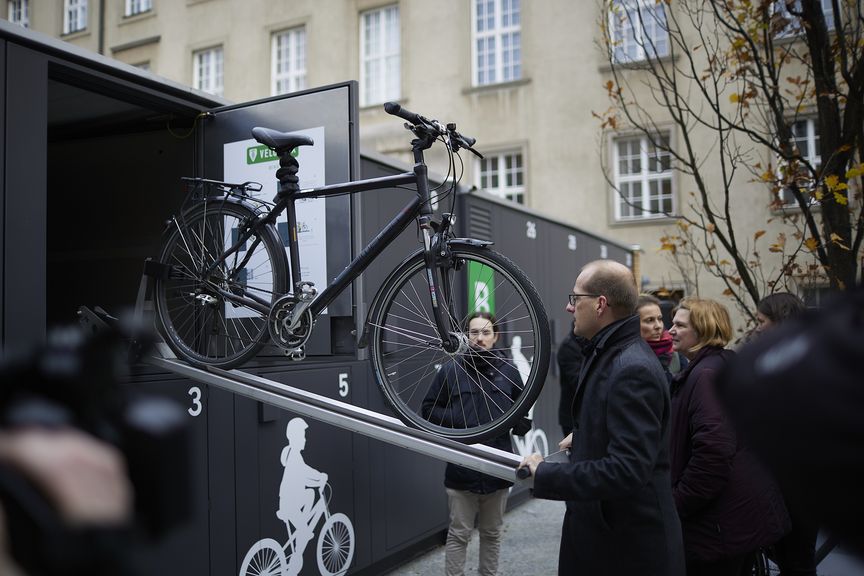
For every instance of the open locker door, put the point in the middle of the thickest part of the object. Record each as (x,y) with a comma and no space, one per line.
(228,152)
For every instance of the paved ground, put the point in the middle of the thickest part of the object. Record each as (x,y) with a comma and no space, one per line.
(530,547)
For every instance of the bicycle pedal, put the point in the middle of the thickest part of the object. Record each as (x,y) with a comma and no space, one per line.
(296,354)
(307,291)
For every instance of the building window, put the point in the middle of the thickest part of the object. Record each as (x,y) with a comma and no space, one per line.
(805,139)
(638,30)
(379,56)
(19,12)
(786,22)
(289,61)
(643,178)
(503,175)
(74,15)
(497,41)
(134,7)
(207,75)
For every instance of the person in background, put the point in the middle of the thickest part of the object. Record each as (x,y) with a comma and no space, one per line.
(655,334)
(620,517)
(776,309)
(796,392)
(728,504)
(476,379)
(570,359)
(795,553)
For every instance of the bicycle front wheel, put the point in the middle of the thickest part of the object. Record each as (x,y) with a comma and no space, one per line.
(335,549)
(198,317)
(409,361)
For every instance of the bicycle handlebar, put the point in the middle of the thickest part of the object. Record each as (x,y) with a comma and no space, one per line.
(523,472)
(457,140)
(396,109)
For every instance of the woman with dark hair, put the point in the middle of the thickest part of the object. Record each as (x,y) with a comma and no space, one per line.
(777,308)
(795,553)
(483,380)
(656,335)
(728,504)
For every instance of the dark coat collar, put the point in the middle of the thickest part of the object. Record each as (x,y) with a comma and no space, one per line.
(613,333)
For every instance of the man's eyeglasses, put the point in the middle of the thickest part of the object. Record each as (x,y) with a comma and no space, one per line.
(573,298)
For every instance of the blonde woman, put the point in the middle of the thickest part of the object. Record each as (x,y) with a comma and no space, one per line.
(728,505)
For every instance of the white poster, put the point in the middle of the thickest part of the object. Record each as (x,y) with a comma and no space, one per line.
(249,161)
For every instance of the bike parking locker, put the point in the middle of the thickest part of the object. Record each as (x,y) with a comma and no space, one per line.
(349,417)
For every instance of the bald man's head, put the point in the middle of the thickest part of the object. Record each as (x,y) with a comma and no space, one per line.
(614,281)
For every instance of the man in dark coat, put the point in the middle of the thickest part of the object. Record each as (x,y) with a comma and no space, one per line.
(570,359)
(620,516)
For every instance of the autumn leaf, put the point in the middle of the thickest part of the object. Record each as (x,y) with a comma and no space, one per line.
(728,292)
(811,244)
(840,198)
(831,181)
(837,239)
(735,98)
(710,228)
(855,171)
(758,234)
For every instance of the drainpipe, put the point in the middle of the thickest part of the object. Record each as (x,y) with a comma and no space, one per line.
(102,27)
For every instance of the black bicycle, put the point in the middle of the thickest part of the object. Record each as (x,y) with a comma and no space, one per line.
(224,287)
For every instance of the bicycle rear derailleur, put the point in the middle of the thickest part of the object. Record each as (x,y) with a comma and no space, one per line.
(290,322)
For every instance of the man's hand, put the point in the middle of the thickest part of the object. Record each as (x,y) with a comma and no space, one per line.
(83,477)
(531,462)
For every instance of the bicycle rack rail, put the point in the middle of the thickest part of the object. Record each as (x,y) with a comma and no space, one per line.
(359,420)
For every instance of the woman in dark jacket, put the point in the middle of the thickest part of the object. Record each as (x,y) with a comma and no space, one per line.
(795,553)
(728,504)
(466,392)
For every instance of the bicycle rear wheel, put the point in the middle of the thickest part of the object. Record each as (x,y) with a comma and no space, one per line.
(407,353)
(265,558)
(196,314)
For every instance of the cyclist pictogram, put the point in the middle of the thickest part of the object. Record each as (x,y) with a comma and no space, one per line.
(304,497)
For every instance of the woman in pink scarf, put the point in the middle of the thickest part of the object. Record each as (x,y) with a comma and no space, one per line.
(655,334)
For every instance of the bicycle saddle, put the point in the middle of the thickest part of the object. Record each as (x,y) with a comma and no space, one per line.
(280,141)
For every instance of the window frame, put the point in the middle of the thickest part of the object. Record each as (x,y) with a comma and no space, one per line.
(143,6)
(793,28)
(644,177)
(18,12)
(217,69)
(294,76)
(80,10)
(497,33)
(814,159)
(517,193)
(615,27)
(384,88)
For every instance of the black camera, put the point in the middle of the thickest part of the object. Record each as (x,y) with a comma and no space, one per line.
(79,379)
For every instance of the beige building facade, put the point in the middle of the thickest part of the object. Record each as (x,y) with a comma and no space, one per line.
(524,78)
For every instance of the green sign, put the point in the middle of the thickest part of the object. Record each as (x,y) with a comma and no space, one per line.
(261,153)
(481,288)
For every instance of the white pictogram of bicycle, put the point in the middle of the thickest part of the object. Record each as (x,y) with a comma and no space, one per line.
(334,550)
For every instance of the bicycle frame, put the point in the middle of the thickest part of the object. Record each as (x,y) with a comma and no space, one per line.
(355,268)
